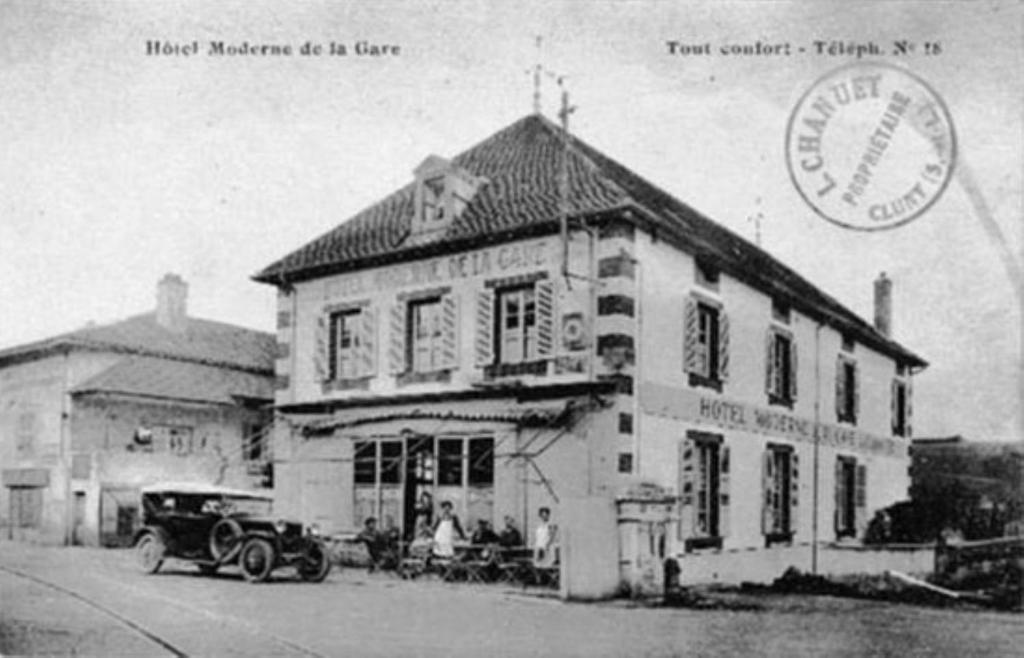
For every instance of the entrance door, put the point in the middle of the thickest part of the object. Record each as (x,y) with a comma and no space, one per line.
(419,483)
(78,520)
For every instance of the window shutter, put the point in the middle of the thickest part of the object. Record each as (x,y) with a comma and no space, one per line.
(840,487)
(723,345)
(908,405)
(545,296)
(331,339)
(687,482)
(690,336)
(794,490)
(894,406)
(840,389)
(861,499)
(769,362)
(723,491)
(396,342)
(484,344)
(793,369)
(320,365)
(856,393)
(368,342)
(450,332)
(767,492)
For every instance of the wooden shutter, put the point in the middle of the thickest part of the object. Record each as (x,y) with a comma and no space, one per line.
(769,362)
(690,363)
(856,393)
(861,499)
(723,345)
(794,490)
(449,332)
(840,389)
(484,343)
(723,490)
(396,338)
(687,484)
(545,300)
(894,407)
(840,488)
(321,366)
(793,368)
(368,342)
(767,492)
(908,409)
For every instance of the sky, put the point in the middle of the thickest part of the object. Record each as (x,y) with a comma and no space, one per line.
(118,167)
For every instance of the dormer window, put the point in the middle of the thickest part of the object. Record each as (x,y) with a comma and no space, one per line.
(443,191)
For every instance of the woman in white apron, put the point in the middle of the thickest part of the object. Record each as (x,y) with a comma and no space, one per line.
(446,529)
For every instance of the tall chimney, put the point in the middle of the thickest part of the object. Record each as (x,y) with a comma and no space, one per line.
(171,295)
(883,305)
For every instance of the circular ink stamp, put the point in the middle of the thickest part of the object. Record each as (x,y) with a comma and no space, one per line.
(870,146)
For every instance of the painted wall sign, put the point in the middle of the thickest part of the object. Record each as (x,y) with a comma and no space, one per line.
(503,259)
(683,404)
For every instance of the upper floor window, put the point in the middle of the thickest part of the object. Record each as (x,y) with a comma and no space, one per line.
(706,275)
(433,199)
(424,333)
(346,341)
(782,368)
(900,407)
(851,496)
(706,343)
(847,390)
(515,325)
(780,311)
(346,344)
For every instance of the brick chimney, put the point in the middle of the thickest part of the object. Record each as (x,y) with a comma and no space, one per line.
(883,305)
(171,296)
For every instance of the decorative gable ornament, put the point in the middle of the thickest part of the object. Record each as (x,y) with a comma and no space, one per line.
(443,191)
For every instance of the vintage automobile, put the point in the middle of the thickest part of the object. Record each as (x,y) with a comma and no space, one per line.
(214,527)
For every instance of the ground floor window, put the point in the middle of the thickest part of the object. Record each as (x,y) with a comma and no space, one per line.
(780,487)
(402,481)
(26,507)
(704,488)
(851,496)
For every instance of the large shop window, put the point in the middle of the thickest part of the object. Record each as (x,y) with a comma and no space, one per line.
(515,326)
(365,462)
(481,461)
(847,390)
(780,472)
(424,335)
(704,485)
(901,407)
(705,343)
(851,497)
(781,368)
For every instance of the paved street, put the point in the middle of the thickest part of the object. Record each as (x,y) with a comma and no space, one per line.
(95,602)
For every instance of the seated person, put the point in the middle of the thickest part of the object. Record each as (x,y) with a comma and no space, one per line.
(483,534)
(381,554)
(510,535)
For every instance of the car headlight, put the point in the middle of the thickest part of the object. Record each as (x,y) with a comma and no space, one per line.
(313,529)
(280,526)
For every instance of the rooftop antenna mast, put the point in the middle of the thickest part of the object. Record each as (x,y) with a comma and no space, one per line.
(563,179)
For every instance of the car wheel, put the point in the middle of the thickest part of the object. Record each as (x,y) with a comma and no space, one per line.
(315,563)
(150,552)
(256,560)
(225,540)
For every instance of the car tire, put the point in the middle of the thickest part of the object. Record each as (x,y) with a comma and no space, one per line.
(150,551)
(225,540)
(256,560)
(315,563)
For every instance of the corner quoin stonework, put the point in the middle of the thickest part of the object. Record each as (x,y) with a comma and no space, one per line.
(870,146)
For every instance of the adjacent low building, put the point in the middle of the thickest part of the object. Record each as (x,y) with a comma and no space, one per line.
(666,387)
(88,417)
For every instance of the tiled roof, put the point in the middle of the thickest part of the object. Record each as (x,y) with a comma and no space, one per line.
(521,164)
(154,377)
(203,341)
